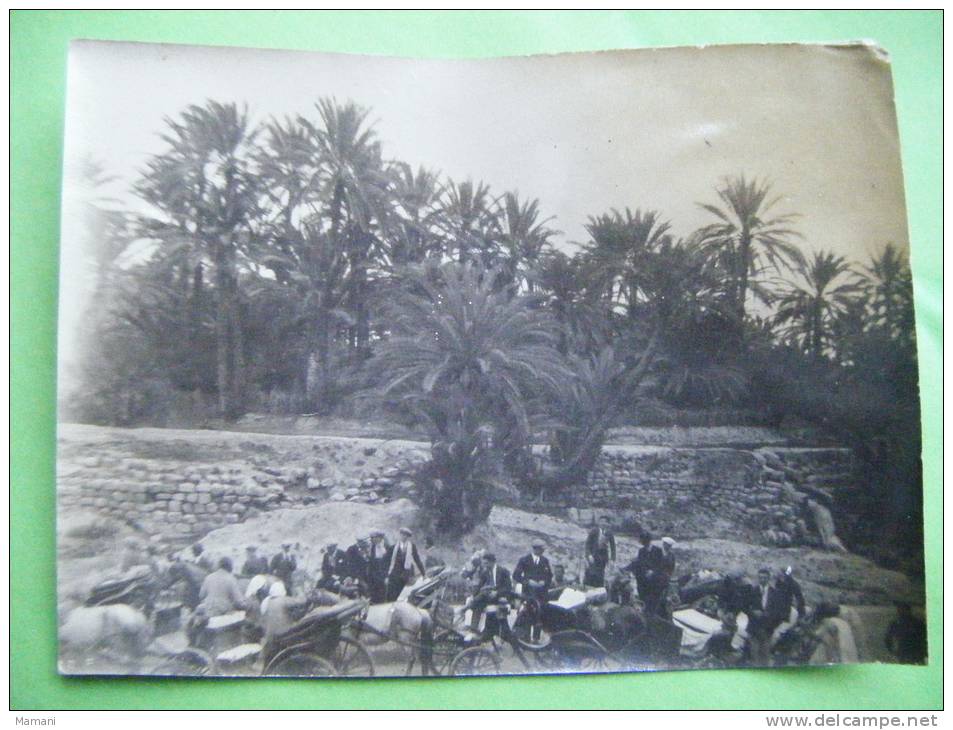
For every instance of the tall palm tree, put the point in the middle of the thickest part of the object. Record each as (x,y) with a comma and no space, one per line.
(748,238)
(471,224)
(524,236)
(412,228)
(354,187)
(889,287)
(621,245)
(466,358)
(807,312)
(563,284)
(206,192)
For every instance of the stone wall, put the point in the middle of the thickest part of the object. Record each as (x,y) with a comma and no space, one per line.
(712,492)
(182,488)
(182,500)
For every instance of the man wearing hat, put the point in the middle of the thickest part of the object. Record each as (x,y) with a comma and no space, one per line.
(333,567)
(378,562)
(600,551)
(358,563)
(533,573)
(254,564)
(283,565)
(403,559)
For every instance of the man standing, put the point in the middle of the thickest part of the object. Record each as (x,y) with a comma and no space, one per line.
(791,598)
(404,558)
(495,581)
(378,563)
(600,551)
(283,565)
(768,613)
(648,569)
(255,564)
(333,567)
(358,563)
(220,593)
(666,571)
(534,574)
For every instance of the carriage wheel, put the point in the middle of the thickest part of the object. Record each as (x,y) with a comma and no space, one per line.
(475,661)
(301,664)
(351,659)
(581,656)
(445,648)
(188,663)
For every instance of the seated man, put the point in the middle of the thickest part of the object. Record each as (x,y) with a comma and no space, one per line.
(494,583)
(280,612)
(220,593)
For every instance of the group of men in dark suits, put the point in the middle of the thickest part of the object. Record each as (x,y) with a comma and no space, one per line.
(283,565)
(493,582)
(372,567)
(653,566)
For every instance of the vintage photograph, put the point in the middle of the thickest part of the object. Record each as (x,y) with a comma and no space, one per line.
(576,363)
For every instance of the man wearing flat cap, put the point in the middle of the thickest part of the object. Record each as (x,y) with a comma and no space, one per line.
(378,563)
(254,564)
(403,560)
(283,566)
(534,573)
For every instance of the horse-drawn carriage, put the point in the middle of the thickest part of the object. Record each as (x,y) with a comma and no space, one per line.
(314,646)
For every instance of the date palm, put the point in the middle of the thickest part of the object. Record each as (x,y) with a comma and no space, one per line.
(748,238)
(889,288)
(467,359)
(412,229)
(470,223)
(622,245)
(524,237)
(207,195)
(807,312)
(353,187)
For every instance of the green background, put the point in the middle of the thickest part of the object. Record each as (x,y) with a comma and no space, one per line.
(38,68)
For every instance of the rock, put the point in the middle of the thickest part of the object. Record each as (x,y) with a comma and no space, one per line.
(338,496)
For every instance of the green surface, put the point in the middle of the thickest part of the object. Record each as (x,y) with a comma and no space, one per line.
(38,67)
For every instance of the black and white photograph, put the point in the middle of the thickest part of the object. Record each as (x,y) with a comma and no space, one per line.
(577,363)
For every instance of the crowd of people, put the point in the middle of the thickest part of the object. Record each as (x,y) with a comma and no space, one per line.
(377,569)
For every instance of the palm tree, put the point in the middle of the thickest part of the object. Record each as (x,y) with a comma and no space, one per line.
(412,227)
(621,246)
(470,222)
(207,194)
(889,287)
(524,237)
(353,187)
(563,283)
(747,239)
(466,358)
(807,312)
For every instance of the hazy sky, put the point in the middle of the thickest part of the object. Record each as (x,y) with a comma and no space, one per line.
(581,132)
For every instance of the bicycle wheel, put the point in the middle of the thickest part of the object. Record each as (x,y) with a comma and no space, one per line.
(581,656)
(351,659)
(475,661)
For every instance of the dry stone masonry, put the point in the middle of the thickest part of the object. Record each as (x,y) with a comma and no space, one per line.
(760,493)
(773,495)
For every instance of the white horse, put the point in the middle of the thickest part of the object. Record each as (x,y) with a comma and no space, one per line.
(113,627)
(409,621)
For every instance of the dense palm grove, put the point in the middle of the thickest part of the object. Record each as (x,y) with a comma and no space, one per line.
(291,267)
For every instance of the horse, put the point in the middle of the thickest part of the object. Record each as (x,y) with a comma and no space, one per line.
(115,626)
(408,621)
(191,575)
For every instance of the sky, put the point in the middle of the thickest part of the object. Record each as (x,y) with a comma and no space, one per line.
(584,133)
